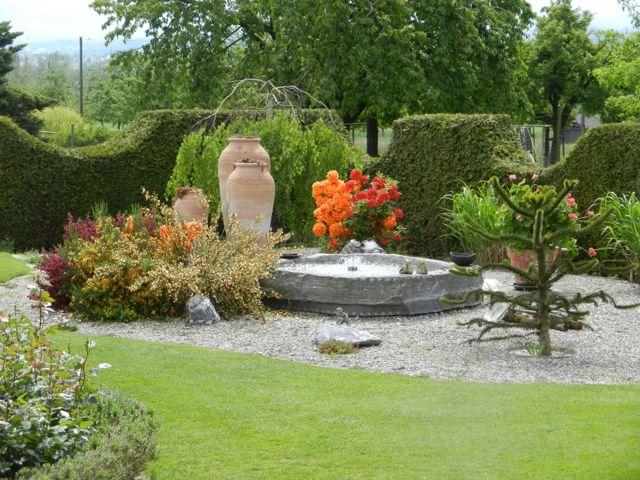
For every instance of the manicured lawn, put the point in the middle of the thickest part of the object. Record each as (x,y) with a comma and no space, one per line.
(11,267)
(226,415)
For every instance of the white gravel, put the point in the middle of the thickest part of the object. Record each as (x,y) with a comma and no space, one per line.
(431,345)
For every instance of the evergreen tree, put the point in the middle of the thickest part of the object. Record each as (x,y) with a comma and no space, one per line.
(13,103)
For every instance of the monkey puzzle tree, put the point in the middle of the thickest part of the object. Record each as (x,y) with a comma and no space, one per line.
(547,220)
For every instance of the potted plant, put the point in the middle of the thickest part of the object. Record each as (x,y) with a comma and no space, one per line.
(541,230)
(518,225)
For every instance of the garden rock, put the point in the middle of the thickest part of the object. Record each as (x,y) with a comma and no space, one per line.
(202,311)
(368,246)
(353,246)
(346,334)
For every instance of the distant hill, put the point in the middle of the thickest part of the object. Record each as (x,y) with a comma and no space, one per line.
(91,47)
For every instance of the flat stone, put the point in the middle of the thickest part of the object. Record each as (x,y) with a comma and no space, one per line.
(202,311)
(343,333)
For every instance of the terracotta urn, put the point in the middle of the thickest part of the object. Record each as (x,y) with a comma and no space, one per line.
(251,192)
(238,149)
(191,205)
(521,259)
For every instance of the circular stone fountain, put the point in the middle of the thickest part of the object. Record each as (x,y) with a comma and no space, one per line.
(367,285)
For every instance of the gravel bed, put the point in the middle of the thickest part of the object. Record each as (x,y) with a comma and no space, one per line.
(431,345)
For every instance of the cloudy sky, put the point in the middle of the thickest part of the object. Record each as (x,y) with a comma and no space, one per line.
(66,19)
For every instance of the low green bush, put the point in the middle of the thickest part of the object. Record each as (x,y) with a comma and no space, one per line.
(433,155)
(299,156)
(42,183)
(47,409)
(70,129)
(119,450)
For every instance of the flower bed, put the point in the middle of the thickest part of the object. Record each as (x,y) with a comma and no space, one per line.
(148,263)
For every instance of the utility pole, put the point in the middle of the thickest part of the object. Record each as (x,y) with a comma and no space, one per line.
(81,86)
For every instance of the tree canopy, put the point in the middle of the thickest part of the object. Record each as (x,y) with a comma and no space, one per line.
(372,60)
(561,61)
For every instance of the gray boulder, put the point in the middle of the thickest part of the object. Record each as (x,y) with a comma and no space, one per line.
(346,334)
(353,246)
(371,246)
(202,311)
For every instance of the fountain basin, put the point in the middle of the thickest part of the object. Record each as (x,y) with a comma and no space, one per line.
(323,282)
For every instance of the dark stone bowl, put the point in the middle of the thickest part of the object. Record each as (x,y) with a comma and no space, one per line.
(462,259)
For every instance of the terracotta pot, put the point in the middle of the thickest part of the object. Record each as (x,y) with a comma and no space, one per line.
(191,205)
(521,259)
(238,149)
(251,192)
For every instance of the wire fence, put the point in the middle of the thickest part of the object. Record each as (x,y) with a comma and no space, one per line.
(536,140)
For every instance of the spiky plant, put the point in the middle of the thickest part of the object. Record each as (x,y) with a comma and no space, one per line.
(541,216)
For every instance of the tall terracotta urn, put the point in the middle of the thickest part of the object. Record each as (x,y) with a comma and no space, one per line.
(191,205)
(251,192)
(238,149)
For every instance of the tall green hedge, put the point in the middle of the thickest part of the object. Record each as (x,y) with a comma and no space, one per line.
(605,159)
(432,155)
(41,184)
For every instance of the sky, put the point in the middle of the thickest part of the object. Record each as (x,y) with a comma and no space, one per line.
(42,20)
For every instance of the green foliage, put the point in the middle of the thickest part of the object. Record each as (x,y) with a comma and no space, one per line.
(43,183)
(366,60)
(617,66)
(432,155)
(605,159)
(47,408)
(622,231)
(71,130)
(480,203)
(298,155)
(119,450)
(336,347)
(542,218)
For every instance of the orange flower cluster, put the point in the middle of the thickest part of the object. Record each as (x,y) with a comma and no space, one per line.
(171,238)
(359,207)
(333,201)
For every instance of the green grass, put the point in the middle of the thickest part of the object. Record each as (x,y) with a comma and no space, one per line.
(225,415)
(11,267)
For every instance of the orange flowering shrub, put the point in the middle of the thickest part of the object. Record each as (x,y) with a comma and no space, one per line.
(357,208)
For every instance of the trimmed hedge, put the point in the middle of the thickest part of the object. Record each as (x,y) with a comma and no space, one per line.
(41,184)
(119,450)
(432,155)
(605,159)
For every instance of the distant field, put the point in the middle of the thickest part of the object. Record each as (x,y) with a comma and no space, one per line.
(384,139)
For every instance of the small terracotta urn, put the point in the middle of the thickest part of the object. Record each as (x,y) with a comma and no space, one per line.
(191,205)
(238,149)
(251,192)
(521,259)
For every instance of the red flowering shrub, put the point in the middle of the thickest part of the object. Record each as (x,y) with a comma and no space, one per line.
(84,228)
(56,272)
(357,208)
